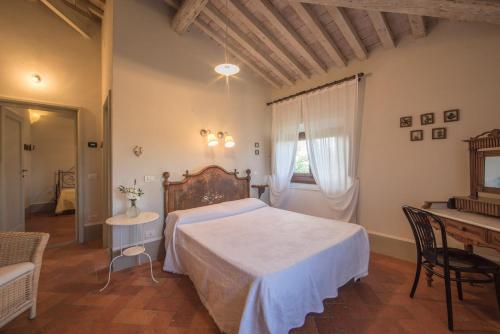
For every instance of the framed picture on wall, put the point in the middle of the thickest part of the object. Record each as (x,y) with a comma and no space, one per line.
(405,122)
(417,135)
(426,119)
(451,115)
(439,133)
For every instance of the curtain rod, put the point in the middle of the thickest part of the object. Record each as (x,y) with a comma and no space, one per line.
(333,83)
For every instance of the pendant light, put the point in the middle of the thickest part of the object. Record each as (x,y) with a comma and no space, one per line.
(227,69)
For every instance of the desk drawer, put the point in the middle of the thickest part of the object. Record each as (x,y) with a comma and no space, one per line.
(495,238)
(466,231)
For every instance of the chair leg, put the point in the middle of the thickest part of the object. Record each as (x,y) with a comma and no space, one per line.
(458,277)
(33,312)
(428,274)
(417,277)
(497,287)
(449,308)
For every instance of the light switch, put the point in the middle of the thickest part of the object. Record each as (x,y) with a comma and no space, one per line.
(149,178)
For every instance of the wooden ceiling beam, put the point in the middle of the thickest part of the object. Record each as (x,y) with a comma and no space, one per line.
(417,25)
(69,15)
(382,28)
(209,32)
(487,11)
(319,31)
(220,20)
(346,27)
(291,36)
(249,20)
(187,14)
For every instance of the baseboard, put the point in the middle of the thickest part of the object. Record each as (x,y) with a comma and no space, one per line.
(41,207)
(92,232)
(155,249)
(399,248)
(405,249)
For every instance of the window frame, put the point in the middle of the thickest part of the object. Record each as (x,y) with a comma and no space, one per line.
(306,178)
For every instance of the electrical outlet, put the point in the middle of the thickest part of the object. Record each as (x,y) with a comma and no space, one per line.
(149,178)
(149,234)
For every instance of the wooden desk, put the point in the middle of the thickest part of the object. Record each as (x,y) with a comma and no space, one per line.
(470,228)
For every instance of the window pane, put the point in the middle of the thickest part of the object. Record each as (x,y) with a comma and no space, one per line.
(301,159)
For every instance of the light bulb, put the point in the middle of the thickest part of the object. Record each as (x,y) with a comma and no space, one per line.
(229,141)
(212,140)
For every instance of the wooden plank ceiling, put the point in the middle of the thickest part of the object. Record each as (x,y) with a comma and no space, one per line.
(284,41)
(287,40)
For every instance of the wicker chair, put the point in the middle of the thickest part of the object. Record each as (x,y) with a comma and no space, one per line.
(20,262)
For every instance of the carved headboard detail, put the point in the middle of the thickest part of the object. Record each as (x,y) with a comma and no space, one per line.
(213,184)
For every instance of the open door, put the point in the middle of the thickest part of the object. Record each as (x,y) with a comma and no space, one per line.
(11,171)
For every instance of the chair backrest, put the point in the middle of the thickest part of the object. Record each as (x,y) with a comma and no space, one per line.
(425,239)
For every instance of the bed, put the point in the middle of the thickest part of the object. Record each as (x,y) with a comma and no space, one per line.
(65,191)
(257,269)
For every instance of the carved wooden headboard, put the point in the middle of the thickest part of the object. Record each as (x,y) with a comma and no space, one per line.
(213,184)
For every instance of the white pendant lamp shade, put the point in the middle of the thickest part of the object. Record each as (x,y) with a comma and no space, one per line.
(212,140)
(229,141)
(227,69)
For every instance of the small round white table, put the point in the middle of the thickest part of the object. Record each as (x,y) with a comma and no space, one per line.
(123,222)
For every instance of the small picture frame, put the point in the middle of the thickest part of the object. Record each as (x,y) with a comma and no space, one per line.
(405,122)
(452,115)
(426,119)
(417,135)
(439,133)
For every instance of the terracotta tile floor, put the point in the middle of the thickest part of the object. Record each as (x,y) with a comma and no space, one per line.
(69,302)
(61,228)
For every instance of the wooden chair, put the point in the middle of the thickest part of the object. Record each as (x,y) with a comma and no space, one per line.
(429,255)
(20,263)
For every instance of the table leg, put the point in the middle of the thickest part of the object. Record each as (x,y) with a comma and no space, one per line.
(109,272)
(150,267)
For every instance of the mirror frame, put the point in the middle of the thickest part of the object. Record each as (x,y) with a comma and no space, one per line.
(481,156)
(485,144)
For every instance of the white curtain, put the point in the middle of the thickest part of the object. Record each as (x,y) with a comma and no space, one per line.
(332,134)
(285,132)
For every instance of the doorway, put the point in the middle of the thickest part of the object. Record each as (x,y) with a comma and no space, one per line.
(40,170)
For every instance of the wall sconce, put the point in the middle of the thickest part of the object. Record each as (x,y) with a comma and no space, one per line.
(34,117)
(36,78)
(214,138)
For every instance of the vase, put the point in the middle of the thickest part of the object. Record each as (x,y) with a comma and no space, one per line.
(133,211)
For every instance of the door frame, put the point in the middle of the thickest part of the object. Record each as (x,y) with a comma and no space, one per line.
(27,104)
(106,167)
(6,113)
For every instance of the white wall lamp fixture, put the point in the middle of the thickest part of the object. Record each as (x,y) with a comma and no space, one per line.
(213,138)
(36,78)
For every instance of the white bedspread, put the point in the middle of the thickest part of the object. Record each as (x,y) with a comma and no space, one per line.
(66,200)
(259,269)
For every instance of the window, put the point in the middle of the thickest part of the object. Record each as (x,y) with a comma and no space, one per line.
(302,170)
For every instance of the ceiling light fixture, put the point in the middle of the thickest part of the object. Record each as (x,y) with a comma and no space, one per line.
(227,69)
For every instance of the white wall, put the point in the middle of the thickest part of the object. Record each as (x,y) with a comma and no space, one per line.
(456,66)
(70,69)
(164,92)
(55,149)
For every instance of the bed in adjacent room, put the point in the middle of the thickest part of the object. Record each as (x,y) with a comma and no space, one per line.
(257,269)
(65,191)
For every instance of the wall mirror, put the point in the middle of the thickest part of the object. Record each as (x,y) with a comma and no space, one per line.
(489,178)
(484,151)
